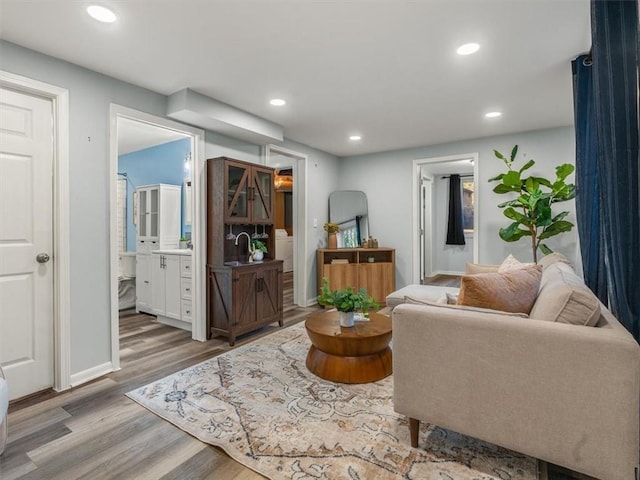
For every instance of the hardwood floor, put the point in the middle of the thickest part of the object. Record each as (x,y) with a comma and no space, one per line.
(95,432)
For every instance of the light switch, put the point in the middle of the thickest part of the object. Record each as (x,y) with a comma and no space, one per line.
(315,223)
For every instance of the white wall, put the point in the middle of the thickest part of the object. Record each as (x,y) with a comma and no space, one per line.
(387,179)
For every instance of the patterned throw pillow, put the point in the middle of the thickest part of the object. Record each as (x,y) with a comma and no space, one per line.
(512,291)
(512,263)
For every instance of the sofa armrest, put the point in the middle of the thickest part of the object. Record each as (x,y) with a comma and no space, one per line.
(563,393)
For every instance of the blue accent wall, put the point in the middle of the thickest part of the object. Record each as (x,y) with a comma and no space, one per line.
(159,164)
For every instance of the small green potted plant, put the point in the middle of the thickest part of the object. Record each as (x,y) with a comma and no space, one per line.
(257,250)
(346,301)
(184,242)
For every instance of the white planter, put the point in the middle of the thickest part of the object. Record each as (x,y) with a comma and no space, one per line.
(347,319)
(258,256)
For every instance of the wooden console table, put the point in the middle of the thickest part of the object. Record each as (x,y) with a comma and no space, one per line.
(373,269)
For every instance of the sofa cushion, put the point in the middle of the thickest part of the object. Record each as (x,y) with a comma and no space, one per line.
(564,298)
(552,258)
(465,308)
(475,268)
(429,293)
(513,291)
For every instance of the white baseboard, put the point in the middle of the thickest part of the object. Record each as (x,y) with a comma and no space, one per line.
(91,373)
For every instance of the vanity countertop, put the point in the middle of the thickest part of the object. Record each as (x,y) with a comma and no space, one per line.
(176,251)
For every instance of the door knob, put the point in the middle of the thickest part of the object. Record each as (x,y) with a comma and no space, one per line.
(42,257)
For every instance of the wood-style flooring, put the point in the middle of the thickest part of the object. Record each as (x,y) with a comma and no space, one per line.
(95,432)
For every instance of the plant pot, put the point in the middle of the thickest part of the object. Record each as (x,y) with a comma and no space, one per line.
(347,319)
(332,240)
(258,256)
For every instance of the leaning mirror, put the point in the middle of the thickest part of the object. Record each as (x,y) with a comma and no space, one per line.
(348,209)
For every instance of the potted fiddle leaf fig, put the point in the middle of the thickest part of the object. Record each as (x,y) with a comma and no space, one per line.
(531,211)
(346,301)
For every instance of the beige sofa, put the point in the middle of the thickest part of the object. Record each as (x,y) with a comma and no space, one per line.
(564,393)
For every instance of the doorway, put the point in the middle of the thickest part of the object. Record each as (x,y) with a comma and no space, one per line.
(430,202)
(149,129)
(282,158)
(53,263)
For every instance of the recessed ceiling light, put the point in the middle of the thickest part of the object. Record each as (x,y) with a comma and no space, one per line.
(355,138)
(102,14)
(277,102)
(493,114)
(468,49)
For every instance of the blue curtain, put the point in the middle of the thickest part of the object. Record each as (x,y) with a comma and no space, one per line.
(614,96)
(588,200)
(455,230)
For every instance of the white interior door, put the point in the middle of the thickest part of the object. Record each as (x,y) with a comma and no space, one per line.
(426,228)
(26,242)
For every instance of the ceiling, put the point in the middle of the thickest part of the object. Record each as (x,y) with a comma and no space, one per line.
(134,135)
(384,69)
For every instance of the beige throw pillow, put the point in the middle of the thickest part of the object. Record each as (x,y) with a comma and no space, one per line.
(564,298)
(512,291)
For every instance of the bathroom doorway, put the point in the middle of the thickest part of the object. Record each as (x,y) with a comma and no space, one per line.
(149,150)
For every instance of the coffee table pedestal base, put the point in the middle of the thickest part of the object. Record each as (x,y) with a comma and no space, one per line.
(360,369)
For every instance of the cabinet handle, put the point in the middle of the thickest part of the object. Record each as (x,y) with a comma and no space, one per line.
(259,285)
(146,281)
(188,289)
(187,267)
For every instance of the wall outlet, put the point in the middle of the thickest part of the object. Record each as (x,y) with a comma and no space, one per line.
(315,223)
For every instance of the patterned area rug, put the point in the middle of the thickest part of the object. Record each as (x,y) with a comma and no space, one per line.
(261,405)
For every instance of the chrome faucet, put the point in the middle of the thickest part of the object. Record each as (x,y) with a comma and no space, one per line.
(248,243)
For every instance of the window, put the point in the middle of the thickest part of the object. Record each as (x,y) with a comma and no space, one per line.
(468,204)
(349,234)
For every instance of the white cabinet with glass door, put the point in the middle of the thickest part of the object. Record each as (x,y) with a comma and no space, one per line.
(158,227)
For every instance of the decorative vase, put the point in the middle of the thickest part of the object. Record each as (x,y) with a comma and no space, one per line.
(332,241)
(347,319)
(258,256)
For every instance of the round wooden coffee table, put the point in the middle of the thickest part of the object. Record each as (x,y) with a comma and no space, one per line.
(358,354)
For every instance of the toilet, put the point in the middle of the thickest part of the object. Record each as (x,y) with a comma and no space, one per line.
(127,280)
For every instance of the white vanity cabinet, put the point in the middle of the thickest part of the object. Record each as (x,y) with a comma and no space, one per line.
(165,288)
(170,289)
(143,282)
(158,215)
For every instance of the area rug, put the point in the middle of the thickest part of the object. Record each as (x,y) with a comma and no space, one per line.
(261,405)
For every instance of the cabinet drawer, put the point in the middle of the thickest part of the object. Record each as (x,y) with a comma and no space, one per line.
(186,310)
(186,290)
(185,266)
